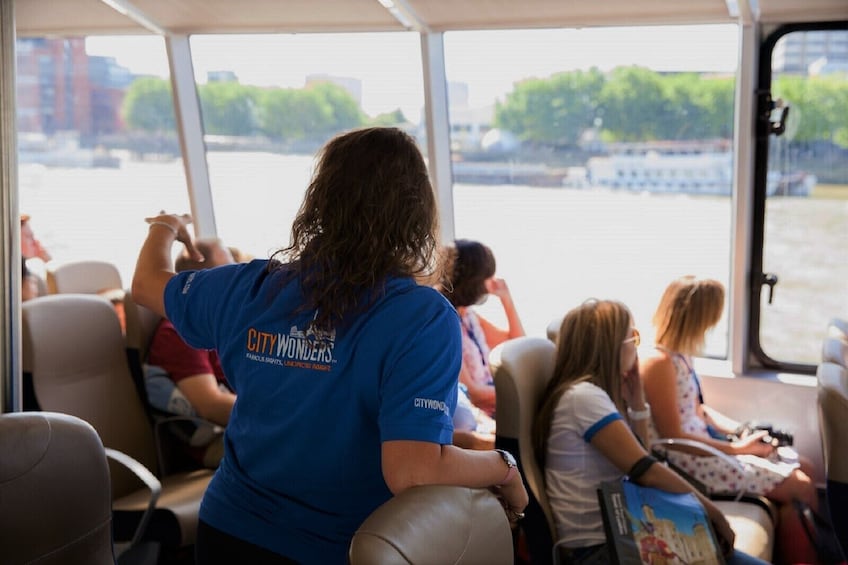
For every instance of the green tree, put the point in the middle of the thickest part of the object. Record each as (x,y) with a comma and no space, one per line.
(634,105)
(394,118)
(312,113)
(552,111)
(819,105)
(229,108)
(149,106)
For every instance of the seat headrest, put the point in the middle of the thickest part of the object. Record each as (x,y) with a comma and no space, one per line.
(833,407)
(54,487)
(835,350)
(435,524)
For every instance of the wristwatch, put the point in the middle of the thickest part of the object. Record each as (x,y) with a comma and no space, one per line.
(512,466)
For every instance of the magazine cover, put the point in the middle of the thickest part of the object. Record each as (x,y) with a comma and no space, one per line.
(650,526)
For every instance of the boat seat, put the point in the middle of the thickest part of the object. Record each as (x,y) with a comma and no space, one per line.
(435,524)
(835,350)
(86,277)
(75,350)
(832,410)
(522,367)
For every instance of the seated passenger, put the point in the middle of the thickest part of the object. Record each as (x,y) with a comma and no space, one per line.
(469,279)
(30,246)
(29,282)
(583,438)
(689,307)
(472,428)
(185,381)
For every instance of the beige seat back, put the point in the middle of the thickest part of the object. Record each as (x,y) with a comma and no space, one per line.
(77,355)
(838,328)
(834,350)
(74,348)
(85,277)
(55,504)
(435,524)
(552,330)
(833,422)
(833,419)
(522,368)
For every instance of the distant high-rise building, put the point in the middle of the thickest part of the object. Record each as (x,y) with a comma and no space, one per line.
(811,52)
(61,88)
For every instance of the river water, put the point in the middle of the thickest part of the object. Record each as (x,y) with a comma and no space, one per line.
(554,246)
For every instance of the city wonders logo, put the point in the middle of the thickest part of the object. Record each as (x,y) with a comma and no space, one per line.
(305,350)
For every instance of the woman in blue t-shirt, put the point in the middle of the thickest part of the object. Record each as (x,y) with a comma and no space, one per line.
(344,367)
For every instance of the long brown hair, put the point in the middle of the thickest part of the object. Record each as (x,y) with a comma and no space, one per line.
(368,213)
(588,349)
(688,308)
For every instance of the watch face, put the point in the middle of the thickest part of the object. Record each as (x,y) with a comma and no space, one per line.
(507,456)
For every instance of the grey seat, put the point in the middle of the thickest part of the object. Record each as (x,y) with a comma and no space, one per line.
(832,412)
(55,504)
(436,525)
(522,368)
(56,497)
(74,350)
(835,350)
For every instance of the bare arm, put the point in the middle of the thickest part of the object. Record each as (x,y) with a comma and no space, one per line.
(154,267)
(411,463)
(495,335)
(618,444)
(210,402)
(659,378)
(473,440)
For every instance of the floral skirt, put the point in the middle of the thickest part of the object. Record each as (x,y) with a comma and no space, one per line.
(755,475)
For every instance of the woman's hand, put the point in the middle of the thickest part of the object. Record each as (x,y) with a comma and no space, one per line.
(513,497)
(179,223)
(498,287)
(754,444)
(631,387)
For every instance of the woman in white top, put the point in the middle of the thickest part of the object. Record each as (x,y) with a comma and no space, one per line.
(585,440)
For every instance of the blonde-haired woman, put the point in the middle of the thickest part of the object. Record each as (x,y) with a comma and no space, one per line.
(584,438)
(689,307)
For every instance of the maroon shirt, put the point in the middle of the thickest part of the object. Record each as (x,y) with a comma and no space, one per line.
(180,360)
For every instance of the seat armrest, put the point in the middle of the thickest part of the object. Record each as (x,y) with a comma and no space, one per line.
(699,448)
(149,479)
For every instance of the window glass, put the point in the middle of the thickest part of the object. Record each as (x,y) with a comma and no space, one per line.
(96,145)
(595,162)
(269,102)
(806,216)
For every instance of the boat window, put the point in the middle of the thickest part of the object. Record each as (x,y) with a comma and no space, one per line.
(805,227)
(269,102)
(579,119)
(97,151)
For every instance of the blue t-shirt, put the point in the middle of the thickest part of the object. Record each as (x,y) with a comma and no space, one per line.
(302,461)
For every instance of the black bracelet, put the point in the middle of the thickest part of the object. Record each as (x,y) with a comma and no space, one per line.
(638,469)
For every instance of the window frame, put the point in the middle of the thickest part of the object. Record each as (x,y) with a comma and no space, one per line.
(763,109)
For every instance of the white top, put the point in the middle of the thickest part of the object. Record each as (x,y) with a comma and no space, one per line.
(574,469)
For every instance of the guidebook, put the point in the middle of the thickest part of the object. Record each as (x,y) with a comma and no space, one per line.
(650,526)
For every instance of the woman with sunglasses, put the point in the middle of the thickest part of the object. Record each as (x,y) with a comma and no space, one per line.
(584,430)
